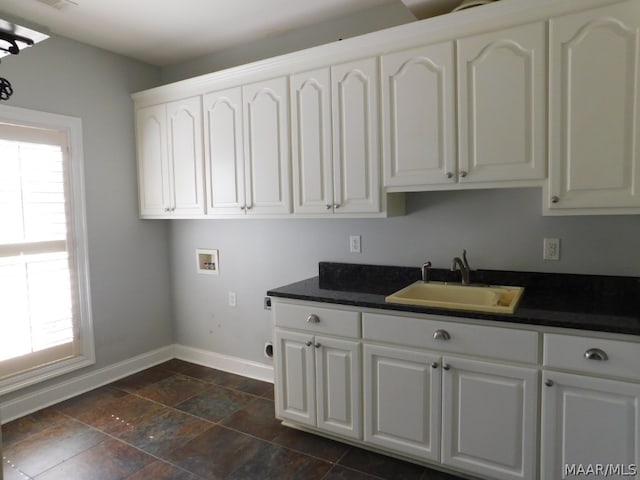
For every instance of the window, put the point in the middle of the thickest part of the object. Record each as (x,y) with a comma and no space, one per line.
(45,314)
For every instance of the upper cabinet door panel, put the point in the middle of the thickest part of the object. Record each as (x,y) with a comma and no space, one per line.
(224,160)
(153,170)
(186,155)
(266,113)
(594,160)
(354,91)
(312,162)
(502,97)
(418,116)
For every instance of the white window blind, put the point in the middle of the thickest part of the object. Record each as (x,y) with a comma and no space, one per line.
(41,287)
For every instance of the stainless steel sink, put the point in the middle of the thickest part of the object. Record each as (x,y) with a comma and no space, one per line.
(476,298)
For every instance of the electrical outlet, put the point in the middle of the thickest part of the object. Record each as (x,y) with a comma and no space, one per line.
(232,299)
(355,244)
(551,249)
(267,303)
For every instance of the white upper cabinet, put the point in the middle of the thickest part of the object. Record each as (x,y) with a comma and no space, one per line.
(418,116)
(335,155)
(354,101)
(153,168)
(501,105)
(311,140)
(500,96)
(184,126)
(594,151)
(266,147)
(170,159)
(224,159)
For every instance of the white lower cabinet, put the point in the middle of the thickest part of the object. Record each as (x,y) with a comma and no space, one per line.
(402,401)
(589,420)
(489,418)
(318,377)
(434,389)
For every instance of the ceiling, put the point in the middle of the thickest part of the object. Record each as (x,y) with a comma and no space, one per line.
(182,29)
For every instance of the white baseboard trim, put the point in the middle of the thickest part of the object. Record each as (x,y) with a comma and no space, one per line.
(37,400)
(227,363)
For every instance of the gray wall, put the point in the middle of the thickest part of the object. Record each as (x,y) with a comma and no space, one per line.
(501,229)
(365,21)
(130,282)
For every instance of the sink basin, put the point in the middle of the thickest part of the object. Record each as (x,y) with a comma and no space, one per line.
(476,298)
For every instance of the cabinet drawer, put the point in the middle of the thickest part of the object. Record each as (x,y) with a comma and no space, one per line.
(326,321)
(568,352)
(493,342)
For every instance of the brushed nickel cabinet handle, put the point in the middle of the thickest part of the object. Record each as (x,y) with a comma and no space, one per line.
(549,383)
(555,199)
(313,318)
(596,354)
(309,343)
(463,174)
(441,335)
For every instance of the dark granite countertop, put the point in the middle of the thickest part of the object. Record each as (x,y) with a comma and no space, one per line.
(586,302)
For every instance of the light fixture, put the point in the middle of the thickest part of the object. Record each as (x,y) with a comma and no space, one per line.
(14,38)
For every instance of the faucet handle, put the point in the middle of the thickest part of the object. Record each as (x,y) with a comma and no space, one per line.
(464,259)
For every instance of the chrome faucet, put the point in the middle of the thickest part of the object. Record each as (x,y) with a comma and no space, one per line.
(426,270)
(463,266)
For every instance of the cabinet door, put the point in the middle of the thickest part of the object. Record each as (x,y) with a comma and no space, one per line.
(589,421)
(266,138)
(153,168)
(418,116)
(184,127)
(295,377)
(402,401)
(311,142)
(594,157)
(356,174)
(338,368)
(502,105)
(489,418)
(224,159)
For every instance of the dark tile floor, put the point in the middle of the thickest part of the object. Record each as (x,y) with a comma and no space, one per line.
(180,421)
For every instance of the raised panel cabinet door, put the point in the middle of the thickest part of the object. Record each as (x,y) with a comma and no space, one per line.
(338,380)
(502,105)
(594,154)
(402,389)
(489,418)
(224,155)
(312,154)
(418,116)
(295,377)
(356,172)
(588,422)
(184,127)
(153,168)
(266,139)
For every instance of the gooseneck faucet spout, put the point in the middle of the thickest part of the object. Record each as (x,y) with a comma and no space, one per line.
(463,266)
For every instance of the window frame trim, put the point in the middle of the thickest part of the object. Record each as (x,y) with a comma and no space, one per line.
(72,127)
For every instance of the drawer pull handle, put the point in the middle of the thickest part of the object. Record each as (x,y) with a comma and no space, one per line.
(549,383)
(596,354)
(313,319)
(434,365)
(446,366)
(317,345)
(308,344)
(441,335)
